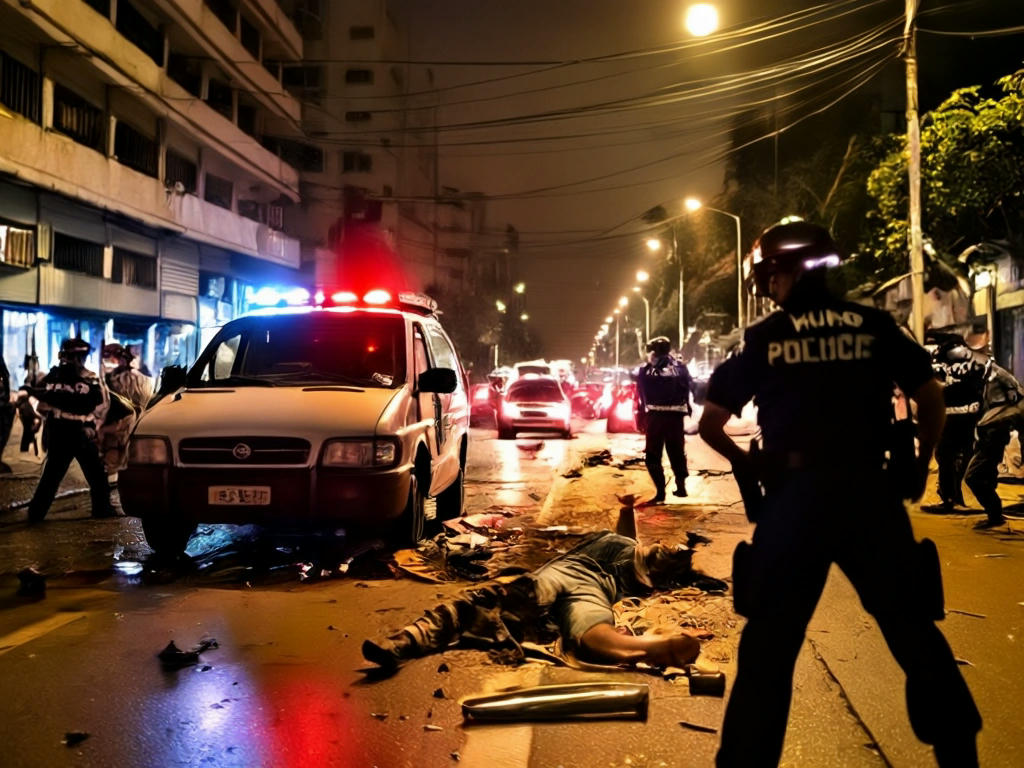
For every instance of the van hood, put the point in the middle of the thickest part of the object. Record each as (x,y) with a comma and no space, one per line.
(315,413)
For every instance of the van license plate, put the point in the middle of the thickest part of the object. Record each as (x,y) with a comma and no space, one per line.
(239,495)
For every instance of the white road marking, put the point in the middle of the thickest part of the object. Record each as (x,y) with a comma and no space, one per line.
(34,631)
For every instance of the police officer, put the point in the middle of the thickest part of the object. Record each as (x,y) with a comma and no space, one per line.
(7,411)
(822,372)
(73,400)
(962,377)
(1000,414)
(663,400)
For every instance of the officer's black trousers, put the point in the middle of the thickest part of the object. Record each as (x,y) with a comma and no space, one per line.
(983,470)
(953,453)
(665,432)
(70,441)
(810,520)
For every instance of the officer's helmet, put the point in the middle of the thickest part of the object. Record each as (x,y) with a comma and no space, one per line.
(795,247)
(659,345)
(74,348)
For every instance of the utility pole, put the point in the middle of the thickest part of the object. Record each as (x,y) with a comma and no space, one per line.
(914,174)
(679,261)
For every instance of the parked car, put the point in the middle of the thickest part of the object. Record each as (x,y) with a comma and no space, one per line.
(483,399)
(348,413)
(535,403)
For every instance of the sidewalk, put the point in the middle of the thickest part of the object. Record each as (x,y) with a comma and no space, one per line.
(17,487)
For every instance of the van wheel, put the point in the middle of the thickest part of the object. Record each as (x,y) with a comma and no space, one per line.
(506,433)
(451,500)
(410,526)
(167,537)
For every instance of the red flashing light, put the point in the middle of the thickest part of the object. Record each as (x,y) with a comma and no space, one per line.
(344,297)
(377,296)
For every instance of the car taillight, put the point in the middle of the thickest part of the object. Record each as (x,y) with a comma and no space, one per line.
(624,410)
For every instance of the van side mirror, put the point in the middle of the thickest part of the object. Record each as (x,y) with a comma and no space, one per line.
(172,378)
(440,380)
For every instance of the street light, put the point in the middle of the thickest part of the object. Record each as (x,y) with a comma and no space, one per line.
(693,204)
(524,317)
(642,276)
(500,305)
(654,244)
(701,19)
(519,287)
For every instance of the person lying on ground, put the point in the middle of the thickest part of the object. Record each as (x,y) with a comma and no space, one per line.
(571,597)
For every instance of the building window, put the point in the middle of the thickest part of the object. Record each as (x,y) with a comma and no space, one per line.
(77,255)
(357,117)
(77,118)
(308,17)
(250,37)
(247,118)
(360,33)
(219,97)
(301,156)
(250,209)
(186,72)
(19,88)
(180,170)
(136,27)
(225,11)
(218,191)
(356,162)
(305,82)
(358,75)
(101,7)
(17,245)
(131,268)
(135,150)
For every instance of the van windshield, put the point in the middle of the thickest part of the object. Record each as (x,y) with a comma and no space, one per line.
(302,350)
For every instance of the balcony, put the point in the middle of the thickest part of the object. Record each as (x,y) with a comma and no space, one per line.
(53,161)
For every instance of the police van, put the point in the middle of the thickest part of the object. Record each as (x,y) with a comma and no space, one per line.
(348,410)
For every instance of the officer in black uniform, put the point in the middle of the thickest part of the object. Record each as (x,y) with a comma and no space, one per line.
(73,399)
(663,400)
(7,411)
(821,371)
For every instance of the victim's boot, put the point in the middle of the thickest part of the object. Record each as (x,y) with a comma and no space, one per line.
(434,631)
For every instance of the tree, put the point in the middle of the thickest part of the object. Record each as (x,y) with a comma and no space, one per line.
(972,178)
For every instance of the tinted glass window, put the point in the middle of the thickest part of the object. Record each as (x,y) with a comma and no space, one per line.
(539,390)
(309,349)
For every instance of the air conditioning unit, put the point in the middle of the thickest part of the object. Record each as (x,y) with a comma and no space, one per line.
(275,216)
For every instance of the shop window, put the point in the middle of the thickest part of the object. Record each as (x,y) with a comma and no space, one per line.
(20,89)
(180,170)
(358,162)
(223,10)
(358,75)
(218,191)
(219,97)
(186,72)
(77,255)
(250,37)
(77,118)
(357,117)
(136,27)
(135,150)
(361,33)
(17,245)
(131,268)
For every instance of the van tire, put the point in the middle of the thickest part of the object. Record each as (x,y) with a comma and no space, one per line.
(166,536)
(451,501)
(410,526)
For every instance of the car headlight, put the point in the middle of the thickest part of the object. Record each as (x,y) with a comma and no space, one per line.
(359,453)
(149,450)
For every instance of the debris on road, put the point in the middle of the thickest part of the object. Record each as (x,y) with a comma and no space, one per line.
(174,657)
(698,727)
(32,583)
(74,738)
(967,613)
(432,728)
(379,715)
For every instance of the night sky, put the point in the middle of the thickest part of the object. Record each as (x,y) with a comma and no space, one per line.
(573,153)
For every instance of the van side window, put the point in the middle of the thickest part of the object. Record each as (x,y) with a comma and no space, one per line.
(223,360)
(444,355)
(419,347)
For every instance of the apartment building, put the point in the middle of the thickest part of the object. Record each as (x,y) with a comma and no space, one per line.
(150,158)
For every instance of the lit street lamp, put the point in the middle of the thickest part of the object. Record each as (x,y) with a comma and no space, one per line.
(701,19)
(693,204)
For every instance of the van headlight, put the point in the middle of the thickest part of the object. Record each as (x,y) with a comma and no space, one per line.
(359,453)
(149,450)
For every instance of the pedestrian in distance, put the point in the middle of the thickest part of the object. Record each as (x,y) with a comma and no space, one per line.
(125,379)
(7,412)
(663,400)
(962,376)
(819,492)
(575,592)
(74,403)
(1001,413)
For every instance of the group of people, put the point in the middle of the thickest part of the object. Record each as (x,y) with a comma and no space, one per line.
(984,404)
(822,489)
(81,418)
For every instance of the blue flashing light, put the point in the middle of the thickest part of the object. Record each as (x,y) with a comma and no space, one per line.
(274,296)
